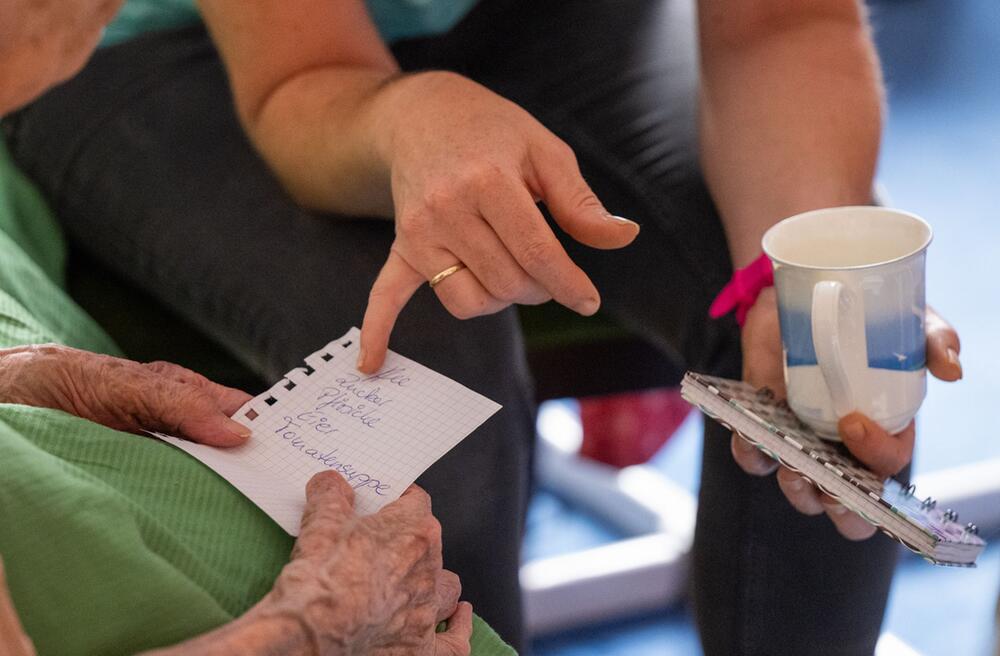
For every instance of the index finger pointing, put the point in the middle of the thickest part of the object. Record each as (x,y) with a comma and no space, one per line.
(395,285)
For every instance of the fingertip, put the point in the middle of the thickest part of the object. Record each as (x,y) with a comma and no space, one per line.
(849,524)
(414,495)
(329,482)
(943,348)
(853,428)
(461,619)
(588,307)
(790,480)
(374,343)
(949,369)
(415,491)
(238,429)
(229,434)
(750,459)
(215,430)
(620,232)
(370,360)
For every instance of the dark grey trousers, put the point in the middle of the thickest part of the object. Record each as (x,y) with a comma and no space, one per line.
(145,163)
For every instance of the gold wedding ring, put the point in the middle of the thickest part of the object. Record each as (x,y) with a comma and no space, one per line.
(436,280)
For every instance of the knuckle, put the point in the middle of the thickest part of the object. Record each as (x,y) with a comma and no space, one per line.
(296,573)
(418,223)
(478,176)
(432,529)
(536,252)
(382,292)
(467,307)
(421,497)
(554,148)
(510,289)
(584,199)
(857,532)
(159,366)
(564,151)
(49,349)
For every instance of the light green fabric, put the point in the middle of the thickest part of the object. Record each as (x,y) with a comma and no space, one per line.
(396,19)
(112,542)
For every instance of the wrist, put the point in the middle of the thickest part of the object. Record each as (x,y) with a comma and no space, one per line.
(394,109)
(254,633)
(15,365)
(741,292)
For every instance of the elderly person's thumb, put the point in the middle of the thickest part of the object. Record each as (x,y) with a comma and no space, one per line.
(168,398)
(194,415)
(329,506)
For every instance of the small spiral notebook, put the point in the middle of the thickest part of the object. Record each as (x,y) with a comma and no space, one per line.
(887,504)
(379,431)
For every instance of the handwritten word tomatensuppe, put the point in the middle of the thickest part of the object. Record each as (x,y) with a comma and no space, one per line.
(291,432)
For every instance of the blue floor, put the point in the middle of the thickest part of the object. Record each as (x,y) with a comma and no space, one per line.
(940,159)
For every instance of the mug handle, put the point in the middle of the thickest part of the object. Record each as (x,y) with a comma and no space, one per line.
(838,323)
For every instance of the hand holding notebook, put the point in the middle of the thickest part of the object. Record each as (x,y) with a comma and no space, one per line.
(886,504)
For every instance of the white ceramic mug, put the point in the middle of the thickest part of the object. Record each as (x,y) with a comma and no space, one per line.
(850,283)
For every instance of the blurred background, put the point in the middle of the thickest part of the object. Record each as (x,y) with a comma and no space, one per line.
(606,548)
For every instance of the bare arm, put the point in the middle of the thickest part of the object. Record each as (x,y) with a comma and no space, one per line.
(302,73)
(458,167)
(791,115)
(791,111)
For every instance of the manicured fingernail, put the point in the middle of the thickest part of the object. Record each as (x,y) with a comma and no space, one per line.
(621,220)
(237,428)
(797,484)
(836,509)
(953,359)
(361,358)
(588,307)
(855,431)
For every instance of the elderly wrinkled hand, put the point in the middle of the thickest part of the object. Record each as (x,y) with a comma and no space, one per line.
(883,453)
(121,394)
(374,583)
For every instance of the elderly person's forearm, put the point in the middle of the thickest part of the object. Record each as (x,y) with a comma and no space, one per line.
(254,635)
(302,76)
(791,109)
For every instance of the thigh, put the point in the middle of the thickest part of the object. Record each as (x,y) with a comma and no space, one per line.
(618,81)
(150,172)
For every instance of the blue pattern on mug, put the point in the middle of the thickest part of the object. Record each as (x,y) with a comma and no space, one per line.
(896,342)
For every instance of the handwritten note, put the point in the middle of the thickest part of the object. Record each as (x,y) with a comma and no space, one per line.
(379,432)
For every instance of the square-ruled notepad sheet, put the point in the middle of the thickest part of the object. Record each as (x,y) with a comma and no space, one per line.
(380,431)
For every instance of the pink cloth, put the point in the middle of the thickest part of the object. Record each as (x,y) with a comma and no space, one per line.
(628,429)
(742,291)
